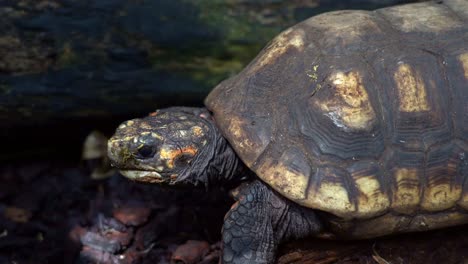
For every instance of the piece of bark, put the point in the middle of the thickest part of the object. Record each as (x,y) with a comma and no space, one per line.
(132,214)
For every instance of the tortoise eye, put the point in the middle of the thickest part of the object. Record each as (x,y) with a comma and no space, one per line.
(145,152)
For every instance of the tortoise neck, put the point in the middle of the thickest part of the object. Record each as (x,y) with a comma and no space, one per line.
(218,164)
(226,168)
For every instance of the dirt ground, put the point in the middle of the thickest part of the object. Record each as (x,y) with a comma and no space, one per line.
(56,213)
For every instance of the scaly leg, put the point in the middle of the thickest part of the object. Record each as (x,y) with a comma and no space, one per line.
(259,221)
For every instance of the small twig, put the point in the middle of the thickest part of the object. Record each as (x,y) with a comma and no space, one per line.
(377,257)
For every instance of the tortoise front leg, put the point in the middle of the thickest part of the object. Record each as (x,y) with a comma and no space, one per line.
(259,221)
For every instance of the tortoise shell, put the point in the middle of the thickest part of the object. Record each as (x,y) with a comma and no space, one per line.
(358,113)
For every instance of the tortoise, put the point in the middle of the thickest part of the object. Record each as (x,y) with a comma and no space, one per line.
(348,125)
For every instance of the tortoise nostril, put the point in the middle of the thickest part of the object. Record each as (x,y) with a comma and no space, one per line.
(145,152)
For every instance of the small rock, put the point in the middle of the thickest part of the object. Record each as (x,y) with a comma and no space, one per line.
(106,224)
(76,233)
(93,255)
(191,252)
(100,242)
(132,214)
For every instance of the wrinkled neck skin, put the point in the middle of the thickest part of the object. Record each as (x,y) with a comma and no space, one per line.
(217,164)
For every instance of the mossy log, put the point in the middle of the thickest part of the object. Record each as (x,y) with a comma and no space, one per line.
(67,66)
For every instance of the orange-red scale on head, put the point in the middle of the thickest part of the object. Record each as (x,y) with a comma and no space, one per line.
(172,155)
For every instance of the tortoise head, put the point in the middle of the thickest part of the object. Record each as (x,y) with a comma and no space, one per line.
(163,147)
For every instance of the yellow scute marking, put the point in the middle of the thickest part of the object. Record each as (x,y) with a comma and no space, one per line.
(463,202)
(350,108)
(411,90)
(240,138)
(464,62)
(440,197)
(292,184)
(407,191)
(331,197)
(290,38)
(371,200)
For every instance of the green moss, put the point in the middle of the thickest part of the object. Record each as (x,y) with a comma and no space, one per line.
(240,38)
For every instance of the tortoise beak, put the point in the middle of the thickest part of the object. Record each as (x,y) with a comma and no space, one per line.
(140,175)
